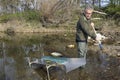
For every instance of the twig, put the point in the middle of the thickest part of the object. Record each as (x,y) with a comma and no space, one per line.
(100,12)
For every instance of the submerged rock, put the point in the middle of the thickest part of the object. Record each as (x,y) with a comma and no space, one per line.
(10,31)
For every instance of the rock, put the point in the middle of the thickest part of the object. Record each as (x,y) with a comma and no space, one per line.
(56,54)
(71,46)
(10,31)
(118,55)
(118,42)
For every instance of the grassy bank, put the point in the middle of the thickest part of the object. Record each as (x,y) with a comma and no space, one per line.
(33,27)
(103,26)
(30,21)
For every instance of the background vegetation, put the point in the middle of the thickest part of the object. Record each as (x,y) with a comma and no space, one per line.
(56,12)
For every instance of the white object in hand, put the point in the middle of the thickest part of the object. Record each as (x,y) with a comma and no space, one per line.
(99,37)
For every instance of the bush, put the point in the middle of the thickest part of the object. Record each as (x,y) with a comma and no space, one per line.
(114,12)
(31,15)
(112,9)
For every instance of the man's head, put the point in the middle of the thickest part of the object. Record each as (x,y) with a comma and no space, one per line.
(88,11)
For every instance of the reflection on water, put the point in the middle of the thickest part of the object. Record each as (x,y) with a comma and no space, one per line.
(15,51)
(7,65)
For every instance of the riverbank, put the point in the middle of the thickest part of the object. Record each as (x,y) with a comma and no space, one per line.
(32,27)
(109,29)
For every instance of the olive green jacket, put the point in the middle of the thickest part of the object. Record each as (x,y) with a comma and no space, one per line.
(84,29)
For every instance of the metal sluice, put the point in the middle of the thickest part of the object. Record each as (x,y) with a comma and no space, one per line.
(50,61)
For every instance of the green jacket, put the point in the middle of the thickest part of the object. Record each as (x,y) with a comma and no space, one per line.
(84,29)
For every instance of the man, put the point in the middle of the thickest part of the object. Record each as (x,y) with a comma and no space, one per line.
(85,29)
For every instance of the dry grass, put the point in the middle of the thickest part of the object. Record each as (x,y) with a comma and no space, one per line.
(23,26)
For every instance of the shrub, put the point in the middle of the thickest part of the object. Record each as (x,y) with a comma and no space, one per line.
(31,15)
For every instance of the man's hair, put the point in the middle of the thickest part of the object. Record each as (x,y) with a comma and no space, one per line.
(89,7)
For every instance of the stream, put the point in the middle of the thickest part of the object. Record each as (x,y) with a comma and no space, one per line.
(15,49)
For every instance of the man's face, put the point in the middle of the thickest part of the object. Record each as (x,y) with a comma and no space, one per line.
(88,13)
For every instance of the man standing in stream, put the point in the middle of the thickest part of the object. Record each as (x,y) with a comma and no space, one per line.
(84,29)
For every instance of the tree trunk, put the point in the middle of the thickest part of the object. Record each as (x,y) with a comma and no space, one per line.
(93,2)
(99,3)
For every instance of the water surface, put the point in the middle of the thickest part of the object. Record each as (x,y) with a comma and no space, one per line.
(15,49)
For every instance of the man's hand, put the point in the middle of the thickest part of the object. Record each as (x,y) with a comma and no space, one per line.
(92,24)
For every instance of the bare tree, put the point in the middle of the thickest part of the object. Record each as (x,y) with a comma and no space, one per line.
(52,13)
(93,2)
(99,1)
(9,5)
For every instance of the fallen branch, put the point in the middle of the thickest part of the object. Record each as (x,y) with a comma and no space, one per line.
(100,12)
(96,18)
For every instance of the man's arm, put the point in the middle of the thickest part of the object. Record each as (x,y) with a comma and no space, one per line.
(87,28)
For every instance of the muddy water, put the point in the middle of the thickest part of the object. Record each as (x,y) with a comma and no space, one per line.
(15,49)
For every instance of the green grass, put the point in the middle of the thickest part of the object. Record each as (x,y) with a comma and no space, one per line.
(27,15)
